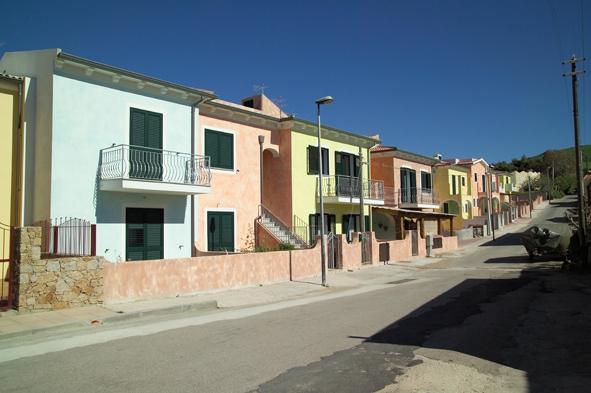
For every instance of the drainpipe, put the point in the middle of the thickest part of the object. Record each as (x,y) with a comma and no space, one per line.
(261,141)
(192,199)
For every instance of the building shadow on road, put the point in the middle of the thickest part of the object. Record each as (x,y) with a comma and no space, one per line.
(509,239)
(524,321)
(508,332)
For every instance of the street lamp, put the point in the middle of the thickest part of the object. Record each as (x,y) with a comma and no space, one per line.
(490,201)
(321,101)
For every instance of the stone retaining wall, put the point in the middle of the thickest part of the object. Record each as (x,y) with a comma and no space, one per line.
(52,284)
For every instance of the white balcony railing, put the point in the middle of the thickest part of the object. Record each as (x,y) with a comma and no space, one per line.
(146,164)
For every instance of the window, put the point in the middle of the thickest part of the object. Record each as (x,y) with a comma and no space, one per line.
(426,181)
(220,231)
(145,135)
(463,181)
(144,234)
(314,224)
(313,160)
(476,177)
(219,146)
(446,207)
(408,185)
(453,184)
(483,183)
(346,164)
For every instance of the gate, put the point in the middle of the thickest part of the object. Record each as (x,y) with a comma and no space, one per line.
(365,248)
(414,235)
(332,250)
(6,264)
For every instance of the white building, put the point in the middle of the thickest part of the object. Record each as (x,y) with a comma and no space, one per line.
(113,147)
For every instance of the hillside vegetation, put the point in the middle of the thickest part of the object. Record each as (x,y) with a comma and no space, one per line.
(563,162)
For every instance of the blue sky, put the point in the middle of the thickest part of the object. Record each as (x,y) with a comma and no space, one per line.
(461,78)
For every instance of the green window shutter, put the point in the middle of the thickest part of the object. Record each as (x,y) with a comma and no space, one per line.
(226,151)
(312,160)
(325,164)
(227,231)
(154,130)
(338,163)
(219,146)
(453,184)
(137,135)
(367,228)
(213,226)
(211,147)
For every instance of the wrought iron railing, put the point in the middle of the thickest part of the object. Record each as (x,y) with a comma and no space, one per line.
(143,163)
(348,186)
(397,197)
(67,236)
(302,230)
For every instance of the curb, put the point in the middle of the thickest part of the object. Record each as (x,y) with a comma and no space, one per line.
(176,309)
(118,317)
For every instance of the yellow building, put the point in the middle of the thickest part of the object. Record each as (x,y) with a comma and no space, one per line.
(453,187)
(11,112)
(345,156)
(10,150)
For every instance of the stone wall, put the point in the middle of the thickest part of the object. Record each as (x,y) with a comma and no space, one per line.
(52,284)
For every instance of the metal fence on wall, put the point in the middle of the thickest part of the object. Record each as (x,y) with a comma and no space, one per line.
(67,236)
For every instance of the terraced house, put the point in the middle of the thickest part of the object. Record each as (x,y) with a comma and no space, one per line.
(412,205)
(453,186)
(264,167)
(112,148)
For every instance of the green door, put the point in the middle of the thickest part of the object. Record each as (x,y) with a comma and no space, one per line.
(145,130)
(220,231)
(144,234)
(408,185)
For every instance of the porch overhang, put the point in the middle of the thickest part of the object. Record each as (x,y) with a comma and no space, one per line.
(415,213)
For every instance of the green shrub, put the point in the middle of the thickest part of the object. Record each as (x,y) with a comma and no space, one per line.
(286,246)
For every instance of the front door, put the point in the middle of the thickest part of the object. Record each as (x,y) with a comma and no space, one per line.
(145,140)
(220,231)
(144,234)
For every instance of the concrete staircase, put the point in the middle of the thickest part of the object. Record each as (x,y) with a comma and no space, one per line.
(279,230)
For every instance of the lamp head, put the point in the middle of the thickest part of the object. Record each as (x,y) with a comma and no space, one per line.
(324,100)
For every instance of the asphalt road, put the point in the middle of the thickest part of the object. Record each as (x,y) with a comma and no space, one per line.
(358,343)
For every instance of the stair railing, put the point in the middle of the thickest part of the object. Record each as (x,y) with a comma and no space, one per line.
(263,211)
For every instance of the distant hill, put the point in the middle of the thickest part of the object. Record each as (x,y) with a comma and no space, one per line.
(562,159)
(570,151)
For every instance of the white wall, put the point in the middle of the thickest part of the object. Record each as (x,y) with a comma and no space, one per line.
(89,117)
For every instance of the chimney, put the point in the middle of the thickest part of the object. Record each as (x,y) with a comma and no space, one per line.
(438,157)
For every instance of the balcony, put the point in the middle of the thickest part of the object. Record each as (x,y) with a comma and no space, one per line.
(345,189)
(412,198)
(140,169)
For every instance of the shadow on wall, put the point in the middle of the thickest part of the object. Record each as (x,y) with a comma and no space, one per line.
(384,226)
(111,205)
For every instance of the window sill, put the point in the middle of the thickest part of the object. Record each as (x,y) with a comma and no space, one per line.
(224,170)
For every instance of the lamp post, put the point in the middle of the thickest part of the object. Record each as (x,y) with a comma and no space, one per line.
(490,202)
(321,101)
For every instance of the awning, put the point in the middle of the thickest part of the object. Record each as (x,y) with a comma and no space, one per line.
(414,213)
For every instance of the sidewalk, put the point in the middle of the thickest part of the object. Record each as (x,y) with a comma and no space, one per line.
(13,324)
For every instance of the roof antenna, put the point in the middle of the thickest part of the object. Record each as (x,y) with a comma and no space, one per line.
(260,89)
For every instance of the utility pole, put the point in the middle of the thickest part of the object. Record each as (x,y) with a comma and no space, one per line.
(361,201)
(581,208)
(529,194)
